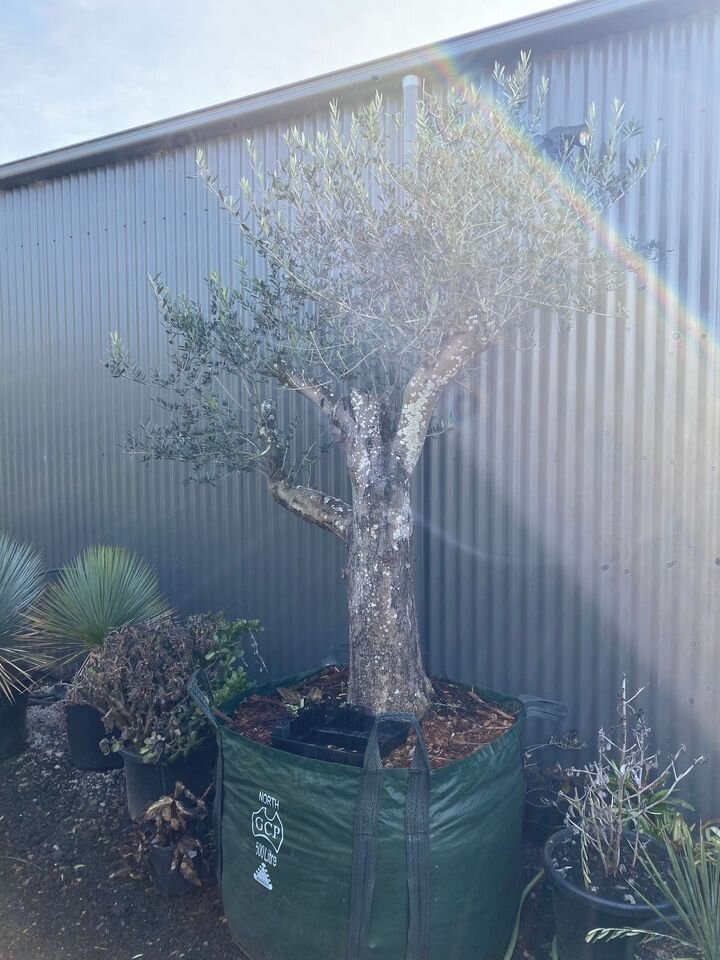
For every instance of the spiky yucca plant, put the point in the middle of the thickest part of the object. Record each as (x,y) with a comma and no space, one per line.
(103,589)
(691,885)
(21,581)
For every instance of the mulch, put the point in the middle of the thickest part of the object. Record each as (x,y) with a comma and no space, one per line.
(70,887)
(456,725)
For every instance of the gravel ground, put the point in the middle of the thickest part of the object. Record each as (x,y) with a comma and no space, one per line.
(69,885)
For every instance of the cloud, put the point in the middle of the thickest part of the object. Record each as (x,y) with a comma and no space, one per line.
(77,69)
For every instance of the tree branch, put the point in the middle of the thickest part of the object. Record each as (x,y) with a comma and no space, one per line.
(424,389)
(325,511)
(308,387)
(275,452)
(312,505)
(336,409)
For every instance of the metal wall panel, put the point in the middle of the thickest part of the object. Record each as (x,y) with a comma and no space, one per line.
(78,251)
(571,523)
(567,529)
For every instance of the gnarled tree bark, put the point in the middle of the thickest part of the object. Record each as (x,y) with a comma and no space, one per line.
(386,668)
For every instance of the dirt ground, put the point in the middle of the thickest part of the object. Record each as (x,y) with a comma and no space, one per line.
(65,886)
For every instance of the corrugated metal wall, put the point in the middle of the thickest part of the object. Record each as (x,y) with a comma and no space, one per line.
(571,524)
(567,530)
(77,254)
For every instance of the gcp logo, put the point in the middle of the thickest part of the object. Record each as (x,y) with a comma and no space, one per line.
(268,827)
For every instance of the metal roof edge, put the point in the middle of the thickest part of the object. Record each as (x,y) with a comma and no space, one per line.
(212,121)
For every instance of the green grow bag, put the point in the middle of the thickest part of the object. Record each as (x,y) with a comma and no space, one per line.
(286,836)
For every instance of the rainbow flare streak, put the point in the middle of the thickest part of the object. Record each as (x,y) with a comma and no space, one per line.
(682,323)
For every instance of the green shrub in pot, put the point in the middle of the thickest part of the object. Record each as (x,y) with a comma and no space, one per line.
(138,681)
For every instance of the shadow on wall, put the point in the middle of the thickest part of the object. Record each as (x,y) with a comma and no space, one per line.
(543,538)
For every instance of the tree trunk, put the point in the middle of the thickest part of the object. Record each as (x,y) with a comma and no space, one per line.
(386,670)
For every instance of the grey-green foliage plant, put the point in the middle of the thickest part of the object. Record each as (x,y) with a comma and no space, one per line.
(373,282)
(625,793)
(21,581)
(102,589)
(690,884)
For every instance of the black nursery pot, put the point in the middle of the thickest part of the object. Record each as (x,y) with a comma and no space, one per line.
(13,725)
(577,911)
(541,817)
(171,883)
(85,730)
(147,782)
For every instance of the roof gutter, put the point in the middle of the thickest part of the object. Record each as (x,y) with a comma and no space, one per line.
(576,22)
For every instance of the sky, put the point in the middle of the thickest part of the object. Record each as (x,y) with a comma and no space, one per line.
(71,70)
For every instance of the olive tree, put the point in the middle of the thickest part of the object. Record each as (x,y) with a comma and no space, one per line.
(377,282)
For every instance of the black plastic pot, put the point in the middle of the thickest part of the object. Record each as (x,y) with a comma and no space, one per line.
(171,883)
(577,911)
(47,697)
(147,782)
(13,726)
(335,734)
(84,732)
(541,816)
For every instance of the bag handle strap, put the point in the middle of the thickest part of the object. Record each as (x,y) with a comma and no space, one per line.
(200,692)
(542,709)
(417,844)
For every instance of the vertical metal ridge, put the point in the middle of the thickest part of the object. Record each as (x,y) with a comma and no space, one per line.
(567,529)
(588,481)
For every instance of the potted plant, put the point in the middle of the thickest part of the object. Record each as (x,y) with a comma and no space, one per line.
(138,681)
(21,580)
(383,258)
(595,865)
(690,885)
(173,835)
(102,589)
(546,787)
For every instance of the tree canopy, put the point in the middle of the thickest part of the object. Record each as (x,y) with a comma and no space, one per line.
(380,275)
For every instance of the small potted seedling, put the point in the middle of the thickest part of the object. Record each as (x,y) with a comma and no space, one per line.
(547,787)
(595,865)
(172,835)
